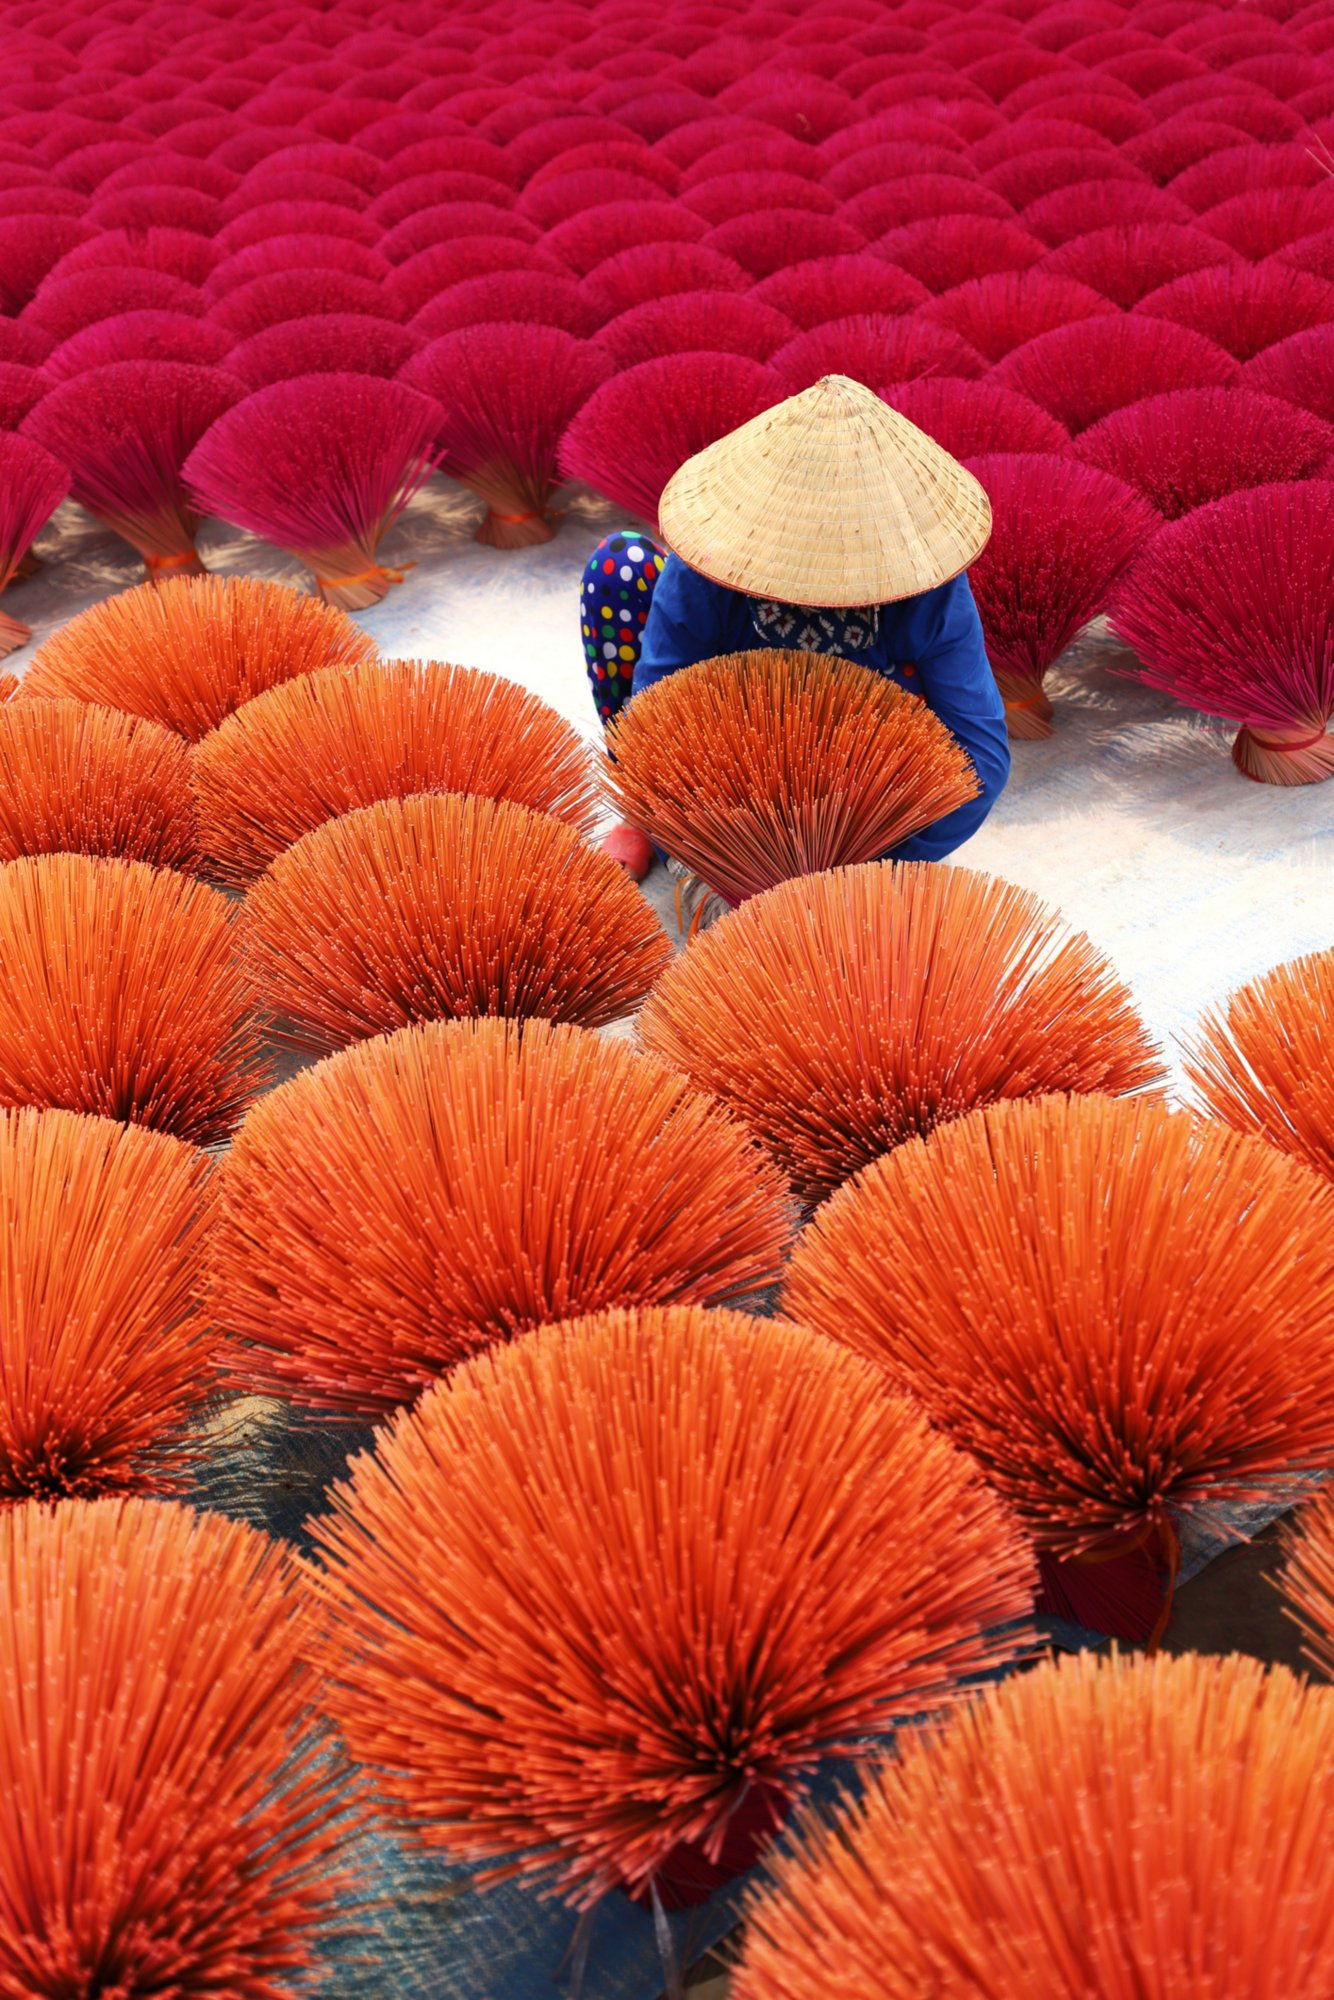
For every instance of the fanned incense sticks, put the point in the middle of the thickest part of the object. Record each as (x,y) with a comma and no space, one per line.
(427,1194)
(103,1359)
(1083,372)
(1308,1580)
(139,336)
(605,1598)
(32,486)
(323,466)
(1228,609)
(436,907)
(1244,307)
(759,766)
(1263,1062)
(844,1013)
(125,431)
(80,779)
(190,651)
(1109,1821)
(1128,261)
(1192,446)
(329,742)
(157,1821)
(1062,533)
(969,418)
(1123,1313)
(144,1015)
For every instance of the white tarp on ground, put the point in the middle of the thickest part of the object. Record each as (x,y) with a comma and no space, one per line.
(1131,818)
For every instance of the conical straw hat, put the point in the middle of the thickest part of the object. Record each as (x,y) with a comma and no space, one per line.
(830,498)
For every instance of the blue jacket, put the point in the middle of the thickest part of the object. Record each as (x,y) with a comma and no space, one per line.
(931,645)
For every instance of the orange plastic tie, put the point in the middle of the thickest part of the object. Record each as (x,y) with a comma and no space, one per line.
(515,517)
(365,576)
(153,563)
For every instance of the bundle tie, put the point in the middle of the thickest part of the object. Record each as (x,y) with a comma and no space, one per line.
(516,517)
(1169,1544)
(1032,701)
(371,575)
(154,563)
(1288,749)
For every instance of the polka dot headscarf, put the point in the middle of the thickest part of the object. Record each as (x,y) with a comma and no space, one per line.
(618,585)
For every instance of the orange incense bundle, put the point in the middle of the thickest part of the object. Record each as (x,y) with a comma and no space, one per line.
(440,906)
(159,1832)
(1308,1580)
(332,741)
(80,779)
(1264,1062)
(844,1013)
(604,1598)
(102,1358)
(755,767)
(1140,1858)
(186,653)
(120,995)
(424,1195)
(1123,1313)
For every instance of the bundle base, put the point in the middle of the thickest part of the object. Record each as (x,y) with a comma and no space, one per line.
(1284,757)
(514,531)
(27,565)
(13,634)
(1123,1596)
(184,562)
(686,1877)
(355,589)
(1028,712)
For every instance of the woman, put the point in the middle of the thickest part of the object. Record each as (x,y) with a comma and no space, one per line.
(829,524)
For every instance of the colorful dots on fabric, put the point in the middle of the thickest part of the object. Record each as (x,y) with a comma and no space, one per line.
(617,590)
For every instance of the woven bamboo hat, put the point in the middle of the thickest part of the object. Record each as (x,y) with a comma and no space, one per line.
(829,499)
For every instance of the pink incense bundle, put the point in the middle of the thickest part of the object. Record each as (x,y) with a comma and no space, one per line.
(1178,142)
(533,298)
(178,252)
(403,199)
(944,252)
(329,742)
(145,1016)
(555,1171)
(1082,373)
(1192,446)
(1266,220)
(762,151)
(580,244)
(693,323)
(161,1667)
(125,431)
(21,390)
(161,207)
(1228,609)
(188,652)
(1297,369)
(428,229)
(1102,1784)
(321,466)
(104,1357)
(643,424)
(30,246)
(770,241)
(1001,313)
(302,252)
(813,292)
(628,155)
(296,218)
(1121,1312)
(139,336)
(299,294)
(22,343)
(970,418)
(80,779)
(759,766)
(1244,307)
(922,197)
(440,906)
(639,1672)
(506,394)
(870,350)
(1127,261)
(1026,177)
(1062,533)
(204,174)
(843,1013)
(554,202)
(756,192)
(1263,1061)
(1079,210)
(64,306)
(326,344)
(1240,168)
(879,165)
(413,285)
(654,270)
(32,486)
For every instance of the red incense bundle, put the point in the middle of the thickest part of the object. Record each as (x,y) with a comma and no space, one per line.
(145,1017)
(1228,609)
(105,1358)
(844,1013)
(1127,261)
(125,431)
(871,350)
(969,417)
(506,393)
(160,1675)
(1082,373)
(303,252)
(139,336)
(330,742)
(813,292)
(329,343)
(1191,446)
(30,246)
(941,253)
(354,1299)
(1106,1784)
(640,1672)
(1244,307)
(323,466)
(440,906)
(759,766)
(64,306)
(299,294)
(1262,1061)
(695,323)
(188,653)
(32,486)
(773,239)
(1297,369)
(178,252)
(655,270)
(1114,1308)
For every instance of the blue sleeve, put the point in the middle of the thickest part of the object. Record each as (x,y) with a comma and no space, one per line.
(943,638)
(690,619)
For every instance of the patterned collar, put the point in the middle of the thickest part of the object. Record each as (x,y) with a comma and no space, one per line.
(805,629)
